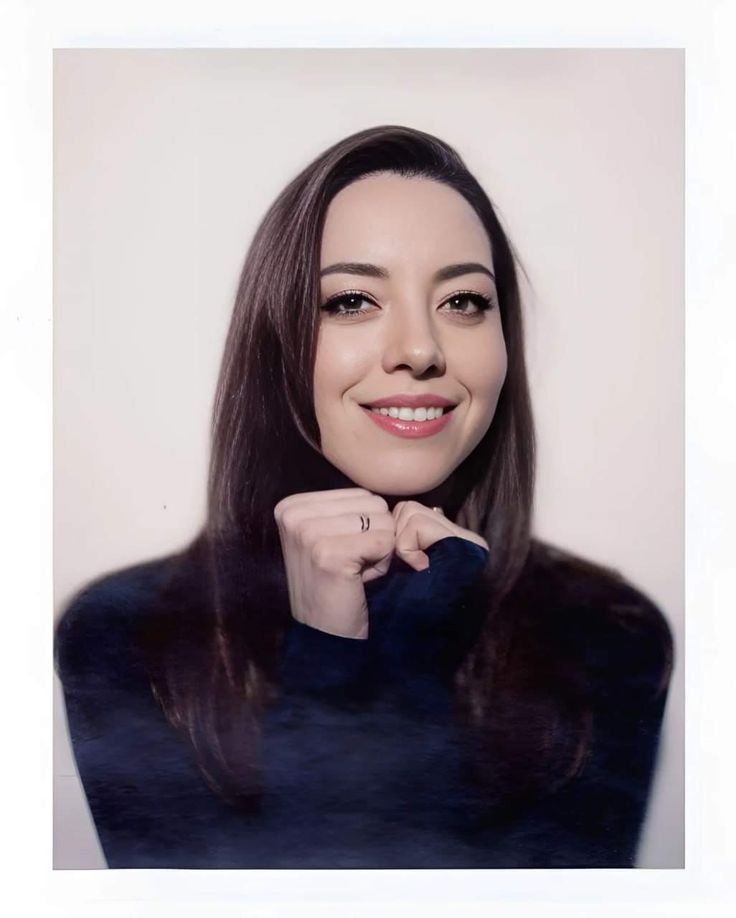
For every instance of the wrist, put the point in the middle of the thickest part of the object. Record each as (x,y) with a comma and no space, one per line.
(356,632)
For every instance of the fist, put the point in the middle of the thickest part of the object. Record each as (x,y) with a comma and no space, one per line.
(329,555)
(418,527)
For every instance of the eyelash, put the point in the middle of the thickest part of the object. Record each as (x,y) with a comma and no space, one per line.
(483,303)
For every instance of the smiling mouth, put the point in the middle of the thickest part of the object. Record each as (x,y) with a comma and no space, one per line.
(419,415)
(414,424)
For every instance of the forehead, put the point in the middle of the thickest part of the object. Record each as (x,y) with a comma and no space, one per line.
(387,218)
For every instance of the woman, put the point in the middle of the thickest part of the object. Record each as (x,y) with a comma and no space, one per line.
(364,659)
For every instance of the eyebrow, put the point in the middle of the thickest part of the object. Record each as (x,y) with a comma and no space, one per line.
(367,270)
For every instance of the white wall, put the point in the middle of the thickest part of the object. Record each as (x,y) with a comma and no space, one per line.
(166,160)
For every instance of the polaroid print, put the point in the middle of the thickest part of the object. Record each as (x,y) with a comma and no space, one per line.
(368,466)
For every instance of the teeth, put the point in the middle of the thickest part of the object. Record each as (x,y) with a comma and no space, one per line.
(410,414)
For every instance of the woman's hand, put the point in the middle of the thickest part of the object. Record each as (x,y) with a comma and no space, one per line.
(418,527)
(328,558)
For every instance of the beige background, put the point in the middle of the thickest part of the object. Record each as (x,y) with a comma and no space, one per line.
(164,162)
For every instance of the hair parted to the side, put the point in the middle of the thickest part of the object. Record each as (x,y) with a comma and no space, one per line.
(214,644)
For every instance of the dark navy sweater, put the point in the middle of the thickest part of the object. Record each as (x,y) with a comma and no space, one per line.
(363,756)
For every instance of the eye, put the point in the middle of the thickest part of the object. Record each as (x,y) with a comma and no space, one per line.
(469,304)
(346,304)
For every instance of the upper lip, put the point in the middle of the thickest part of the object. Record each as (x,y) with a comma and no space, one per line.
(428,400)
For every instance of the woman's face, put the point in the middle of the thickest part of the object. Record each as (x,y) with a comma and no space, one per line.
(407,272)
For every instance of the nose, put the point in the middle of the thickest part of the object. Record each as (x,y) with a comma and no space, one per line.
(412,342)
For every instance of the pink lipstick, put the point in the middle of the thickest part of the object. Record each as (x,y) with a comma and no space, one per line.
(409,427)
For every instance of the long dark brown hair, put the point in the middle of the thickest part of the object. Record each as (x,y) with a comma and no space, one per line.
(214,640)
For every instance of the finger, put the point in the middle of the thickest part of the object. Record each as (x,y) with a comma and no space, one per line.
(403,509)
(407,509)
(403,514)
(292,514)
(334,495)
(379,569)
(308,530)
(417,528)
(433,509)
(350,555)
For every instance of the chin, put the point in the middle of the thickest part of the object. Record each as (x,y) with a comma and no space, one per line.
(401,486)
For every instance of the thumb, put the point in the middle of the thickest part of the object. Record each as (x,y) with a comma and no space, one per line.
(408,548)
(417,528)
(379,569)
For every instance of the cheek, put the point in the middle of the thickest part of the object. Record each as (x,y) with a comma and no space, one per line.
(484,371)
(337,367)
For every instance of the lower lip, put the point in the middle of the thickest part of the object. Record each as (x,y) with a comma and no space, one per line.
(410,429)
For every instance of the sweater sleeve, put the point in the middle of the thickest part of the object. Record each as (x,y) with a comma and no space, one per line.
(324,666)
(419,628)
(423,623)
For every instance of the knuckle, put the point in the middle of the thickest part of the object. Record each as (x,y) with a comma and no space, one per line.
(302,531)
(320,555)
(383,542)
(290,520)
(408,525)
(281,508)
